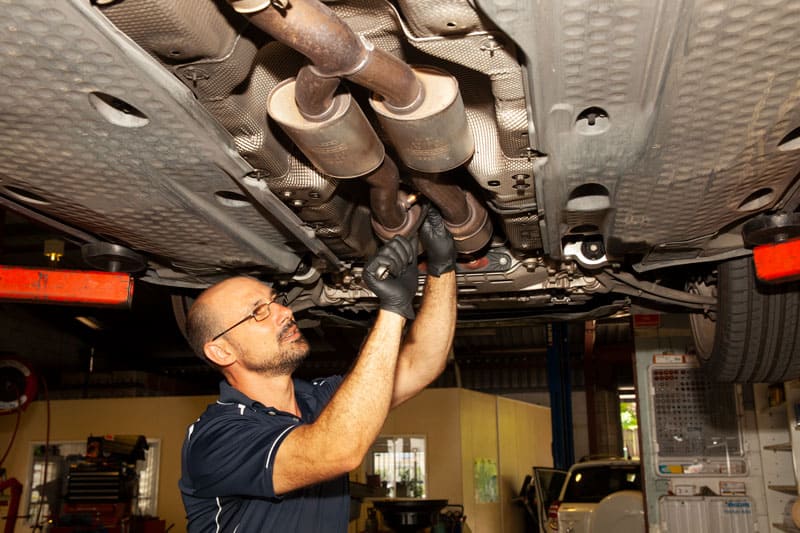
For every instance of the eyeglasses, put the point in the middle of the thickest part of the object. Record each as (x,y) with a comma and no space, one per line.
(259,313)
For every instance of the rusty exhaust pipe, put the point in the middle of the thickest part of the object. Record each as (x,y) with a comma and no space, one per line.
(334,48)
(393,212)
(314,94)
(447,196)
(420,110)
(463,215)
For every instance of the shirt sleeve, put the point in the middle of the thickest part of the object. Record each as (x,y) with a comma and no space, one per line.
(233,456)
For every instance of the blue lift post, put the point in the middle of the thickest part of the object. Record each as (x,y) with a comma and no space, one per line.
(558,381)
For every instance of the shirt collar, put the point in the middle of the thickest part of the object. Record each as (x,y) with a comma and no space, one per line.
(227,394)
(303,388)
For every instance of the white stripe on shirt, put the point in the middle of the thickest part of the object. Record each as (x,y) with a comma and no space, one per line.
(216,518)
(272,448)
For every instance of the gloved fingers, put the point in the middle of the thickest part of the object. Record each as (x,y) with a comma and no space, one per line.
(396,254)
(409,278)
(432,228)
(438,243)
(432,219)
(404,249)
(386,261)
(391,258)
(411,266)
(411,269)
(413,244)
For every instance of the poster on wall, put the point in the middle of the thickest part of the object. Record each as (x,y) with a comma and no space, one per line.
(485,474)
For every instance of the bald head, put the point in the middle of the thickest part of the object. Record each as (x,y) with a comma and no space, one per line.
(218,306)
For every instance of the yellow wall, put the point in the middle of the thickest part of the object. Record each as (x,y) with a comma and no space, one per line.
(524,438)
(434,414)
(459,425)
(478,441)
(162,418)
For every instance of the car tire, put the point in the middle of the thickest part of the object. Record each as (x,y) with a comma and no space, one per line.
(180,309)
(756,334)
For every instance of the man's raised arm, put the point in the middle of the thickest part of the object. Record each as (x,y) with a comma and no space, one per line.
(423,354)
(338,440)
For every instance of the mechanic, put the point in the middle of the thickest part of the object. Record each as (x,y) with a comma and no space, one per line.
(274,452)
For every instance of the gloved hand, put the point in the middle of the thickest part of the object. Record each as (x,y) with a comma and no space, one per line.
(392,276)
(438,244)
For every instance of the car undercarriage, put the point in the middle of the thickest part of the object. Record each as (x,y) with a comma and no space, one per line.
(587,157)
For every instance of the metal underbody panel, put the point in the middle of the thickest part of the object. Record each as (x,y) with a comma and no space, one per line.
(697,98)
(649,130)
(153,175)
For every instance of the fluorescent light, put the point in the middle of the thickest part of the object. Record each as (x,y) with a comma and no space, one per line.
(89,322)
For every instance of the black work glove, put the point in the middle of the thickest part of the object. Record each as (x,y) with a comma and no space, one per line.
(392,276)
(438,244)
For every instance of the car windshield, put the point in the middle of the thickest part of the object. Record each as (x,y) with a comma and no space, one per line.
(590,485)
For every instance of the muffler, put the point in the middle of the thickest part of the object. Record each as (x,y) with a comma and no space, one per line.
(342,144)
(434,136)
(420,109)
(463,214)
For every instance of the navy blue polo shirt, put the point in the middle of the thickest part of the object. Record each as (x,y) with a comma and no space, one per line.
(227,461)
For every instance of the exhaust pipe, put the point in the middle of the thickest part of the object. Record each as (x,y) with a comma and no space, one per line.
(334,49)
(419,108)
(393,212)
(463,215)
(339,141)
(434,137)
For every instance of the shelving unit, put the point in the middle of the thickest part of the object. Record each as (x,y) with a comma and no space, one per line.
(774,406)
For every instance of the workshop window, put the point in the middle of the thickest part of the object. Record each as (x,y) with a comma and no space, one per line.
(629,421)
(43,497)
(397,464)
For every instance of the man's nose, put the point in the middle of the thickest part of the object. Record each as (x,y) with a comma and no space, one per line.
(281,312)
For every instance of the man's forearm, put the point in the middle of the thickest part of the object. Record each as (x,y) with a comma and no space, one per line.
(338,440)
(358,409)
(423,354)
(435,324)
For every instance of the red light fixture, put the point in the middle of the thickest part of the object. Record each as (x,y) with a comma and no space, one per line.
(67,287)
(778,262)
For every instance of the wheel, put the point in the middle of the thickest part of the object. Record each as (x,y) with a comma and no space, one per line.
(756,331)
(180,308)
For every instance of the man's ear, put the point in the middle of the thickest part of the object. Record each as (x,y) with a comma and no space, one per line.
(219,353)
